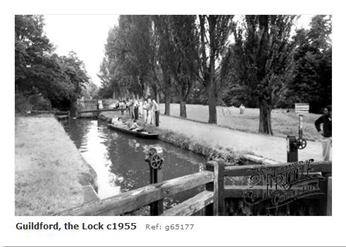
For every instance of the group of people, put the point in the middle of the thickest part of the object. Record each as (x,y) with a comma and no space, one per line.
(148,109)
(130,124)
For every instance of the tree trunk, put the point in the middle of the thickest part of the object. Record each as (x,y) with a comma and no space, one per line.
(182,104)
(212,102)
(211,90)
(211,83)
(183,109)
(167,95)
(265,125)
(168,105)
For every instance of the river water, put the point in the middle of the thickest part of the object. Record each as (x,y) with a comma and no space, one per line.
(119,158)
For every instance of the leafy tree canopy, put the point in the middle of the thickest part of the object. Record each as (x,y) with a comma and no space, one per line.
(39,70)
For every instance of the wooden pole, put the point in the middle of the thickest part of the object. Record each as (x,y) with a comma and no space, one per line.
(329,197)
(217,208)
(292,150)
(326,199)
(156,176)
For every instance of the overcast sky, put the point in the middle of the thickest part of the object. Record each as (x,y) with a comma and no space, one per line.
(86,35)
(83,34)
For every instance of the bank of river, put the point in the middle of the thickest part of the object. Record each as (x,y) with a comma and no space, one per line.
(50,173)
(119,158)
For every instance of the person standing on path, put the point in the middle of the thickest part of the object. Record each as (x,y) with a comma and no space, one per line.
(326,132)
(145,111)
(140,108)
(150,111)
(135,110)
(241,109)
(156,109)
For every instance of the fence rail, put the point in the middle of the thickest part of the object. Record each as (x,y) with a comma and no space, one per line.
(211,200)
(100,110)
(135,199)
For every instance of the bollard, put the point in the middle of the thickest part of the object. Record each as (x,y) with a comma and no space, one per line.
(292,150)
(293,144)
(155,161)
(300,130)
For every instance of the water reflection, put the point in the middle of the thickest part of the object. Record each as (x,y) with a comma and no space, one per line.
(118,158)
(94,149)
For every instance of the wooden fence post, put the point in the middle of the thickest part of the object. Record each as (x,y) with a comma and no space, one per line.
(326,200)
(329,196)
(217,208)
(292,150)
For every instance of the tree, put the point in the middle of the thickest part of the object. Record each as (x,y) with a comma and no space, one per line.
(263,57)
(312,78)
(214,33)
(39,71)
(165,55)
(184,60)
(32,50)
(91,91)
(136,52)
(127,68)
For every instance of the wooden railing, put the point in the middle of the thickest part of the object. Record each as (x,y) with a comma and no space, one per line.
(136,199)
(324,168)
(211,200)
(58,114)
(100,110)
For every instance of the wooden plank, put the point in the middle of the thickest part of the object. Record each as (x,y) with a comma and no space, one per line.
(236,171)
(329,196)
(62,117)
(192,205)
(50,112)
(138,198)
(102,110)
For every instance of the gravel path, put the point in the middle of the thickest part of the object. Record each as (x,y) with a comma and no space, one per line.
(269,147)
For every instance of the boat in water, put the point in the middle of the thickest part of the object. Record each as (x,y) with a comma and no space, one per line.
(140,133)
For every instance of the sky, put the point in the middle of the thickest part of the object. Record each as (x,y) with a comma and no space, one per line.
(86,35)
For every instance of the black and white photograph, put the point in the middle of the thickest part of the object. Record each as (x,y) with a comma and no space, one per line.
(152,124)
(186,115)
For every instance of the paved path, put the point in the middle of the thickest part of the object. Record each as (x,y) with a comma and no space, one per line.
(269,147)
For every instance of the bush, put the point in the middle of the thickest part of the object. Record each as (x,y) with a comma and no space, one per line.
(22,103)
(40,103)
(28,102)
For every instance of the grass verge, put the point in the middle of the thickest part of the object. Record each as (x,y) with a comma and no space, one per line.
(228,155)
(49,170)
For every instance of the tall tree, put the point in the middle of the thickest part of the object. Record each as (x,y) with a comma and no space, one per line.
(184,65)
(129,54)
(214,34)
(312,79)
(165,55)
(263,55)
(136,51)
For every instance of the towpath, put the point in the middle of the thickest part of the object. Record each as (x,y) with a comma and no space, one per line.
(270,147)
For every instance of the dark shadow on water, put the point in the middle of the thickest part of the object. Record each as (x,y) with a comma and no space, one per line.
(118,158)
